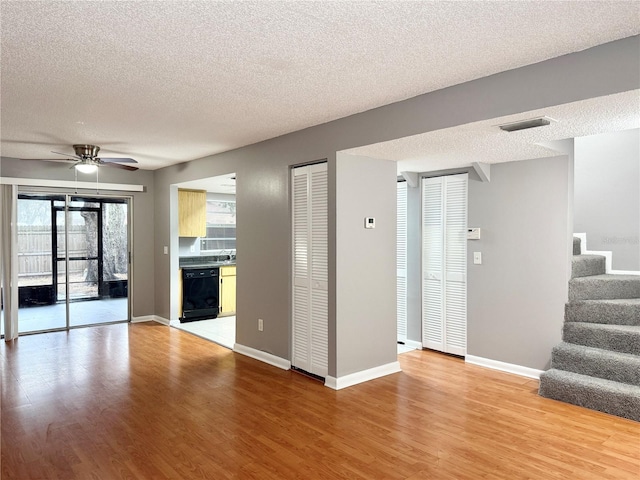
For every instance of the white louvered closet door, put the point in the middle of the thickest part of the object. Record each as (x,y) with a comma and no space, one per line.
(455,265)
(310,269)
(432,264)
(401,242)
(444,263)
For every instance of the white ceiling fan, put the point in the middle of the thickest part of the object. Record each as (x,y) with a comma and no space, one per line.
(87,161)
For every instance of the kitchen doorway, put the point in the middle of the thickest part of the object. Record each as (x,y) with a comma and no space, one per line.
(73,261)
(216,250)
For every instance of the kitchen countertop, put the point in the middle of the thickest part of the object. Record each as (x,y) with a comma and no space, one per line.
(210,265)
(202,261)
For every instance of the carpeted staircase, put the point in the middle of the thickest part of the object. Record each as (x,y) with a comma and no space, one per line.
(598,363)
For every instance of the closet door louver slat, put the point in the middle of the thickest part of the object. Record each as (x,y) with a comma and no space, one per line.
(432,264)
(401,242)
(319,271)
(301,295)
(444,253)
(455,265)
(310,269)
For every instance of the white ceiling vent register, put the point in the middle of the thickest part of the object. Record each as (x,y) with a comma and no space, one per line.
(524,124)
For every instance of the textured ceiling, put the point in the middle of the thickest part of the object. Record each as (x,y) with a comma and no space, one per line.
(166,82)
(485,142)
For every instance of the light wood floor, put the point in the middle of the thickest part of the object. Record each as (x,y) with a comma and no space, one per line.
(145,401)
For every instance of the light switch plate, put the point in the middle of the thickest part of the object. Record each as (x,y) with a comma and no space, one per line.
(477,258)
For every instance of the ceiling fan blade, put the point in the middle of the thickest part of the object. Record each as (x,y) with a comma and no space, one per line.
(117,165)
(51,159)
(67,155)
(117,160)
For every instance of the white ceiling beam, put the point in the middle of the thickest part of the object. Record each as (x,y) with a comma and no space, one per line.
(483,170)
(411,178)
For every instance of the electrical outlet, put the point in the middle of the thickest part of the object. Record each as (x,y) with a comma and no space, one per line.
(193,248)
(166,250)
(260,325)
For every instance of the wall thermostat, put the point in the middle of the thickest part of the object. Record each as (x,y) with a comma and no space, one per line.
(369,222)
(473,233)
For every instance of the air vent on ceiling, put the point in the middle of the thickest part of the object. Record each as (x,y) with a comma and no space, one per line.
(524,124)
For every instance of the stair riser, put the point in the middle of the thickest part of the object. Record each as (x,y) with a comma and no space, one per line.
(616,341)
(586,266)
(622,404)
(591,289)
(599,364)
(577,246)
(612,314)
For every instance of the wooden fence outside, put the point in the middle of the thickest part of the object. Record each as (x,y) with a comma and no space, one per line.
(35,247)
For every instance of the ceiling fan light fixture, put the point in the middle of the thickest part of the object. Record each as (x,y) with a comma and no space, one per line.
(86,167)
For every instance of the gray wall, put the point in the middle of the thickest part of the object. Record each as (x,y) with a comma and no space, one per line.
(262,175)
(142,288)
(516,297)
(607,195)
(366,265)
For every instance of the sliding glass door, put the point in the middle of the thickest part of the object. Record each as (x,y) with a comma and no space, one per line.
(73,256)
(38,308)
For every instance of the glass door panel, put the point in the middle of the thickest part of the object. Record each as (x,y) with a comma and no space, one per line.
(98,261)
(114,245)
(38,309)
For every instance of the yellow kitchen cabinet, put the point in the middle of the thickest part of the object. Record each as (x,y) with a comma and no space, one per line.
(180,292)
(228,290)
(192,213)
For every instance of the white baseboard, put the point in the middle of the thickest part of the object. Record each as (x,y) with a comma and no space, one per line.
(161,320)
(363,376)
(149,318)
(413,344)
(504,367)
(624,272)
(174,323)
(262,356)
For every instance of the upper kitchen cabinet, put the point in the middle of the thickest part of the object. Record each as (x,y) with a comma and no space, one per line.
(192,213)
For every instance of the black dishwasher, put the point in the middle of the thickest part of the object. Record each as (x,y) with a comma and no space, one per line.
(199,293)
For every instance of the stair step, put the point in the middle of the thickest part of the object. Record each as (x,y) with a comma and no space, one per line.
(596,362)
(577,246)
(604,287)
(618,338)
(624,311)
(615,398)
(587,265)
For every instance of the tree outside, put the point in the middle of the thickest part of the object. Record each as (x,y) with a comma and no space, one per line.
(114,242)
